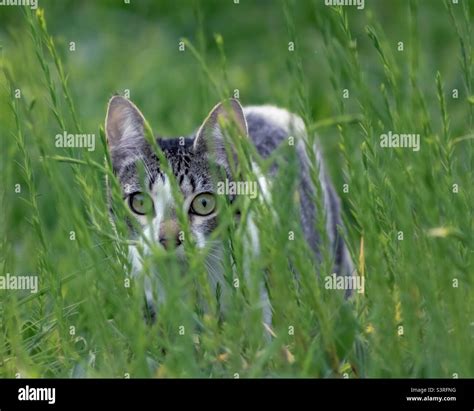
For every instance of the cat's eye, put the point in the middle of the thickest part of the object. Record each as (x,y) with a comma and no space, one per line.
(140,203)
(203,204)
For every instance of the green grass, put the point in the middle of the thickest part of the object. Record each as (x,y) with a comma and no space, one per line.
(86,322)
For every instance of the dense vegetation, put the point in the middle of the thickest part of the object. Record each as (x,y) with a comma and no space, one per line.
(401,66)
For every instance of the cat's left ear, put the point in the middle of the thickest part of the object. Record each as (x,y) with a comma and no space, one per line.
(124,127)
(210,135)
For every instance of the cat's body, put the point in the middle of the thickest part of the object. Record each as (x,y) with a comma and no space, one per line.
(190,158)
(270,126)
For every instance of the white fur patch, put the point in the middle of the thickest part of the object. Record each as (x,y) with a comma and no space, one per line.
(280,117)
(136,259)
(294,125)
(137,266)
(254,237)
(200,239)
(263,183)
(163,199)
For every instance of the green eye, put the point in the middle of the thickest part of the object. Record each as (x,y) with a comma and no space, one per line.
(140,203)
(203,204)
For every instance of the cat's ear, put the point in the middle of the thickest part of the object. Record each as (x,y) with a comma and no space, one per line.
(210,135)
(124,126)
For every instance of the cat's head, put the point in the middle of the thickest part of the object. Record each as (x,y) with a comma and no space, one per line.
(197,163)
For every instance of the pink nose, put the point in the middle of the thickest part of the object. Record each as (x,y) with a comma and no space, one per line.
(169,234)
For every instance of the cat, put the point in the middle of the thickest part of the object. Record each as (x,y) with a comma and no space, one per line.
(190,161)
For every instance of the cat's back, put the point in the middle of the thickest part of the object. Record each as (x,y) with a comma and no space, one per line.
(269,125)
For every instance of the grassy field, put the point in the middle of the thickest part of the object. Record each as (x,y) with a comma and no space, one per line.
(353,75)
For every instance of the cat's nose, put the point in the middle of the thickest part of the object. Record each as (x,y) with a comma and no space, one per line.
(169,234)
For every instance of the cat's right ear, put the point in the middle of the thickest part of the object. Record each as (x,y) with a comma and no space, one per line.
(124,127)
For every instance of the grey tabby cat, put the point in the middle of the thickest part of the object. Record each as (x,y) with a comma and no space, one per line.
(153,205)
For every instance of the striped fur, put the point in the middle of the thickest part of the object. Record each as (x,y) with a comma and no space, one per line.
(267,127)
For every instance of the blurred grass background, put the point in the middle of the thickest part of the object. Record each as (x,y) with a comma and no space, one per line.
(135,47)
